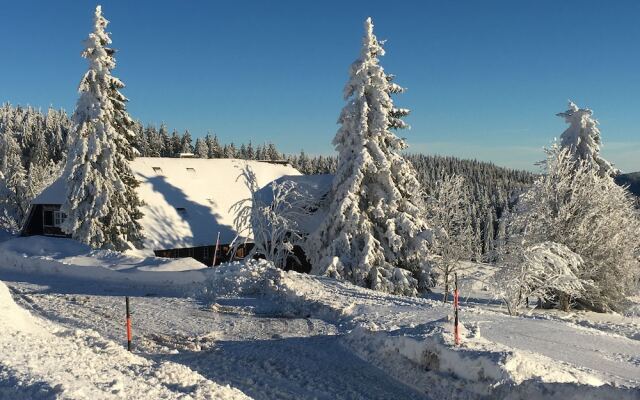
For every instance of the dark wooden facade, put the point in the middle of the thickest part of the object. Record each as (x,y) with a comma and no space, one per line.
(44,219)
(204,254)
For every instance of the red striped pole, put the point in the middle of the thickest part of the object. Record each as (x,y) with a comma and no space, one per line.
(456,329)
(128,325)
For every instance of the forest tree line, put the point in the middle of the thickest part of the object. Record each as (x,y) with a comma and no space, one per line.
(39,141)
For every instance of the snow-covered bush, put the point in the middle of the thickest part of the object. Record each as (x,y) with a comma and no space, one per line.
(547,271)
(375,225)
(272,222)
(575,204)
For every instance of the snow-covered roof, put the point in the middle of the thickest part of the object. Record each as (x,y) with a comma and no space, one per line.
(187,200)
(314,187)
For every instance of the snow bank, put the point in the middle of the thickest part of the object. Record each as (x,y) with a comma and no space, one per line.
(43,360)
(70,259)
(5,235)
(425,356)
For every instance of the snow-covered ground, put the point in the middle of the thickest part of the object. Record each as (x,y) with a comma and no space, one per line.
(251,330)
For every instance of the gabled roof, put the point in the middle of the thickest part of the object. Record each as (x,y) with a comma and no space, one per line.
(187,200)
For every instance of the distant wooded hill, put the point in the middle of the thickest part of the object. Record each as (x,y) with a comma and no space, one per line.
(632,180)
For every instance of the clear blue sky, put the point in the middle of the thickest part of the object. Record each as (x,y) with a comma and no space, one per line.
(484,78)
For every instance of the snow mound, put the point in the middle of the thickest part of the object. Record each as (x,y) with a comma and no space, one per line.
(70,259)
(43,360)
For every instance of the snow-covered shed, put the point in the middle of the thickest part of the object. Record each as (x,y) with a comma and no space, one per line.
(187,202)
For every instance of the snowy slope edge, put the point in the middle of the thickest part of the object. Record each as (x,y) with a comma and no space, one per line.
(69,259)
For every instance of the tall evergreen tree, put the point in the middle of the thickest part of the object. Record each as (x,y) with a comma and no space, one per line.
(167,146)
(175,144)
(213,146)
(272,153)
(374,234)
(13,203)
(186,143)
(155,141)
(102,207)
(251,154)
(201,149)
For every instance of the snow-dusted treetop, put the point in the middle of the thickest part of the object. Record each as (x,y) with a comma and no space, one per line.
(101,62)
(583,138)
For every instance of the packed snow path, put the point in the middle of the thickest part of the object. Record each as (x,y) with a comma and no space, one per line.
(616,358)
(238,344)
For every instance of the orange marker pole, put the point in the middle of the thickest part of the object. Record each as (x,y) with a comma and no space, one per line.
(456,330)
(128,325)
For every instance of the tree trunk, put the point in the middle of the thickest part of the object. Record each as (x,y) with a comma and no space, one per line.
(564,302)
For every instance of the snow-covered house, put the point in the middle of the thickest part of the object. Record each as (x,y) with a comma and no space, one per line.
(187,203)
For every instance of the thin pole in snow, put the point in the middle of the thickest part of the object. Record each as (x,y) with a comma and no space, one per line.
(215,253)
(128,324)
(456,296)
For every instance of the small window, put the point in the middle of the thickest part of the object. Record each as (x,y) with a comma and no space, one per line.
(157,170)
(52,217)
(240,252)
(181,211)
(58,218)
(192,171)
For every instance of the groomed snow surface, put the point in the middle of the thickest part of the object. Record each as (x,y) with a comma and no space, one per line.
(253,331)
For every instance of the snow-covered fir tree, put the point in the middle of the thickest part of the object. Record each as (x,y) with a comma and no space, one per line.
(272,153)
(201,149)
(374,234)
(175,145)
(186,145)
(583,138)
(155,141)
(101,205)
(14,200)
(213,146)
